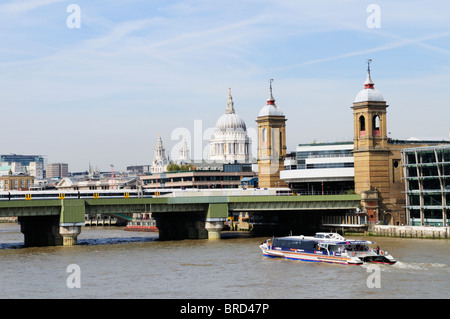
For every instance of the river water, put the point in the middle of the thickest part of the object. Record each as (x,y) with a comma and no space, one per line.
(118,264)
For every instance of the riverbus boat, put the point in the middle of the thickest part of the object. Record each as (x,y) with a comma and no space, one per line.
(144,225)
(325,247)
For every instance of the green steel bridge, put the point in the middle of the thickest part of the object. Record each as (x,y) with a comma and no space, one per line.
(47,222)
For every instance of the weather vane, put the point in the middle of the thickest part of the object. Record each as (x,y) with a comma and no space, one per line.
(368,64)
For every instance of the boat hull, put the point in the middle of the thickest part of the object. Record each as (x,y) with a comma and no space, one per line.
(142,228)
(310,257)
(379,260)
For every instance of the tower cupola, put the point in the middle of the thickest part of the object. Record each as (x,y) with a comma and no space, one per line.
(369,93)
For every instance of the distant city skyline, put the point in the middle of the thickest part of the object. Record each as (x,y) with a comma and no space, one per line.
(100,94)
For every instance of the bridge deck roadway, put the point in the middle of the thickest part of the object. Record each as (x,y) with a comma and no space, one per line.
(261,203)
(73,210)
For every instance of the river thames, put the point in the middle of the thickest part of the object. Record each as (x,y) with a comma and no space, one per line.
(113,263)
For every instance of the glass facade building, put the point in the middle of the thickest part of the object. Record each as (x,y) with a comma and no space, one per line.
(427,185)
(311,151)
(24,160)
(320,169)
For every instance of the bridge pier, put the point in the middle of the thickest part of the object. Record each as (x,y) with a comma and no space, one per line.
(175,226)
(196,230)
(172,231)
(69,234)
(42,231)
(214,228)
(192,221)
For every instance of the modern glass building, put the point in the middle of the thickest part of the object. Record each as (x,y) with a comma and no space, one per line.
(427,185)
(24,160)
(321,168)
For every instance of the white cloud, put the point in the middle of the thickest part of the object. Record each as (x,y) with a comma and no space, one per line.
(400,42)
(22,6)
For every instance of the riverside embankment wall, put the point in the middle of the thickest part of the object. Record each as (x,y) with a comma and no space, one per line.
(411,231)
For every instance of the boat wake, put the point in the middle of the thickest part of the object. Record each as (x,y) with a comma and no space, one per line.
(418,266)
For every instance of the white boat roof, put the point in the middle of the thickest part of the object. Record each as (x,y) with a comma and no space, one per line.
(330,238)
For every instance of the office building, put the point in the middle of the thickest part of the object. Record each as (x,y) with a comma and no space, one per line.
(320,169)
(57,170)
(222,176)
(18,181)
(24,160)
(427,185)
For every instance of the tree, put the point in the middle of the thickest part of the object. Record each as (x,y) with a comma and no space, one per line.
(172,167)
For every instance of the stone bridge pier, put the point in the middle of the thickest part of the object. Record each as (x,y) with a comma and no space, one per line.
(214,228)
(60,227)
(186,226)
(175,226)
(48,231)
(190,221)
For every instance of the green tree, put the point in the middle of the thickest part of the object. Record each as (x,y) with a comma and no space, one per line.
(172,167)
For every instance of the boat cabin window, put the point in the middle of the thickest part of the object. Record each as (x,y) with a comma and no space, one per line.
(357,247)
(337,248)
(323,235)
(294,244)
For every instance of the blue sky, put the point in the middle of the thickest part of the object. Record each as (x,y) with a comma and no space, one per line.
(102,93)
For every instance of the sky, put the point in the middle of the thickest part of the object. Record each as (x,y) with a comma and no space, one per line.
(96,83)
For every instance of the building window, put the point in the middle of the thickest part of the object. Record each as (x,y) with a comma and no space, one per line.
(395,171)
(362,123)
(376,122)
(376,125)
